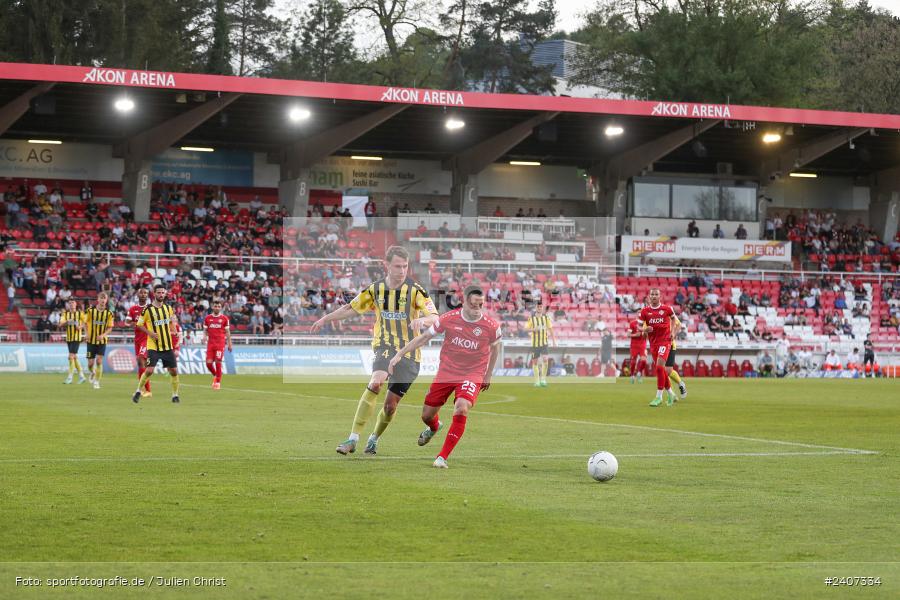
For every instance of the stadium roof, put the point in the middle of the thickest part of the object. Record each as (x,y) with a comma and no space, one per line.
(81,111)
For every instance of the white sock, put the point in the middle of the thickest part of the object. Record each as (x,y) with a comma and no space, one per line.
(354,437)
(659,393)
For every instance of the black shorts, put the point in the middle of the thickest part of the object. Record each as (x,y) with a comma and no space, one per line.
(868,357)
(167,357)
(538,351)
(73,347)
(405,372)
(95,350)
(670,362)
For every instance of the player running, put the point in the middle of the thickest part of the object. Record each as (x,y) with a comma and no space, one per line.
(638,350)
(140,338)
(657,320)
(468,355)
(541,327)
(402,307)
(158,323)
(217,330)
(98,322)
(73,320)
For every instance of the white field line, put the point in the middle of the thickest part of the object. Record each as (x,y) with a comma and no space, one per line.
(597,423)
(139,459)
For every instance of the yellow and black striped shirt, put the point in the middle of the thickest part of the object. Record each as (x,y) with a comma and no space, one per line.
(71,320)
(394,310)
(97,321)
(158,319)
(540,327)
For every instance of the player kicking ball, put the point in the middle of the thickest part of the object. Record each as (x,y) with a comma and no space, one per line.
(217,329)
(468,355)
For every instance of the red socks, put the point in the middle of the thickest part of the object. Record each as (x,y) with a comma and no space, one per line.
(215,367)
(456,431)
(433,425)
(662,381)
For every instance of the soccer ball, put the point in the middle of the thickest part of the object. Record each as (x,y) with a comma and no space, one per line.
(602,466)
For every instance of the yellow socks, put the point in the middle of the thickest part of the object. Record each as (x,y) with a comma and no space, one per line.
(384,420)
(143,380)
(537,372)
(98,370)
(71,366)
(364,411)
(544,368)
(174,384)
(674,376)
(77,365)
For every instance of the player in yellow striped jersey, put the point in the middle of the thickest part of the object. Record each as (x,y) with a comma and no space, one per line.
(72,321)
(158,322)
(402,309)
(671,369)
(98,323)
(541,327)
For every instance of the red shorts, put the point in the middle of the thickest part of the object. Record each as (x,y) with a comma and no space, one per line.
(140,350)
(215,352)
(660,351)
(439,392)
(637,356)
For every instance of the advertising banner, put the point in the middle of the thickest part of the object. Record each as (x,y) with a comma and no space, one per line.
(636,248)
(92,162)
(54,358)
(222,167)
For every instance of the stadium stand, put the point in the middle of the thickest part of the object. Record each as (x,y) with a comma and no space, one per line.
(206,242)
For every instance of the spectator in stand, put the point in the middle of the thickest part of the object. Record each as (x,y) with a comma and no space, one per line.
(92,212)
(718,234)
(10,297)
(12,212)
(832,362)
(422,229)
(770,228)
(520,213)
(255,205)
(40,189)
(646,233)
(541,213)
(370,210)
(170,246)
(430,209)
(692,230)
(394,212)
(766,364)
(86,195)
(444,230)
(854,360)
(740,233)
(840,303)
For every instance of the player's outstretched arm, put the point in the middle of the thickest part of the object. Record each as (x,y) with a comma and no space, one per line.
(413,345)
(424,322)
(344,312)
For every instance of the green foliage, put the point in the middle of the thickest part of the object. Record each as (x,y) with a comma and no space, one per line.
(750,52)
(219,58)
(318,45)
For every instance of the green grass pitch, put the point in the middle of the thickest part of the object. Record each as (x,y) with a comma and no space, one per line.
(747,489)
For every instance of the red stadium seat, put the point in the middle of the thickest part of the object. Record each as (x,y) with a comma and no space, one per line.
(732,369)
(581,368)
(596,367)
(702,368)
(687,369)
(746,367)
(716,369)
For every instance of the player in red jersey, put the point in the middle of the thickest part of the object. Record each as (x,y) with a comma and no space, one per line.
(217,328)
(638,350)
(468,355)
(140,338)
(656,319)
